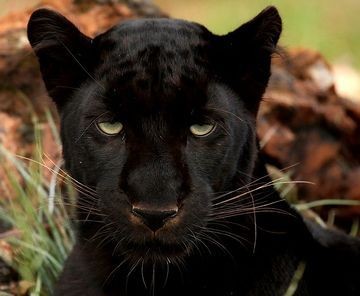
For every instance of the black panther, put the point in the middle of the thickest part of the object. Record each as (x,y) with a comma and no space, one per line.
(158,124)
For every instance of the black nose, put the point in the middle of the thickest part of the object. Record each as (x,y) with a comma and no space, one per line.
(154,219)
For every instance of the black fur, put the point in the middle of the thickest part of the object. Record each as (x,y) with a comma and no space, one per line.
(158,77)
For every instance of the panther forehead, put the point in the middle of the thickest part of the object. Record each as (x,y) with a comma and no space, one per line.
(142,31)
(153,59)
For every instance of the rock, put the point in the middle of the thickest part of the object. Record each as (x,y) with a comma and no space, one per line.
(347,81)
(305,124)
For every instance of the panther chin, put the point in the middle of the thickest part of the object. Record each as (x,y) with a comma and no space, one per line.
(155,251)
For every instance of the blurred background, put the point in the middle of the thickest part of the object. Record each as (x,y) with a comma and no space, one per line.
(330,26)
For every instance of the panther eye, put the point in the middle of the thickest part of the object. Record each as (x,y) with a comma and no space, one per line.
(202,130)
(110,128)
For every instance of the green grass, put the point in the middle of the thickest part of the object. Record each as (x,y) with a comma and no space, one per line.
(41,235)
(287,189)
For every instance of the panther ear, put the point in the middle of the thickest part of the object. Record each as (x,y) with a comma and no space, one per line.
(245,55)
(64,53)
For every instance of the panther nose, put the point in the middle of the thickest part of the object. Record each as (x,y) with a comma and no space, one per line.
(154,219)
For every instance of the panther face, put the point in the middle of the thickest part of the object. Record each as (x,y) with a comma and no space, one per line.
(158,119)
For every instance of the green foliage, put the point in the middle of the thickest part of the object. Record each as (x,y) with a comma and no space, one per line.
(41,235)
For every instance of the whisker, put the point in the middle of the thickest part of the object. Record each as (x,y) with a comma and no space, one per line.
(255,222)
(153,280)
(90,124)
(118,244)
(115,270)
(256,180)
(81,188)
(196,238)
(223,224)
(228,112)
(142,271)
(228,234)
(244,203)
(259,188)
(212,240)
(253,183)
(223,128)
(167,271)
(52,189)
(78,62)
(76,206)
(250,211)
(67,175)
(129,273)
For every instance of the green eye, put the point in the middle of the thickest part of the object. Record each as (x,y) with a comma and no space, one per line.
(110,128)
(201,130)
